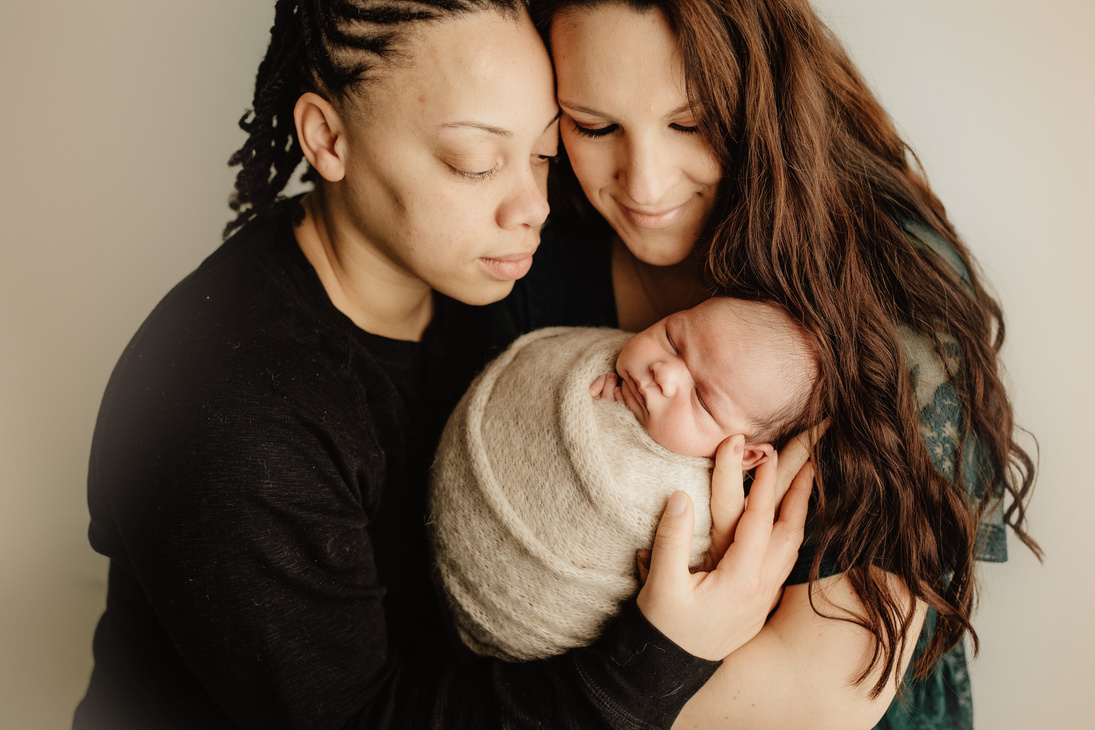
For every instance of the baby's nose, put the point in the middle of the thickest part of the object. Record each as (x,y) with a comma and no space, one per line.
(666,377)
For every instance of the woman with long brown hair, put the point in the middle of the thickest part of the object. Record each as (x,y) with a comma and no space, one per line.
(730,147)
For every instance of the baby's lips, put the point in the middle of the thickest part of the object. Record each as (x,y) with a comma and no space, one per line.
(636,392)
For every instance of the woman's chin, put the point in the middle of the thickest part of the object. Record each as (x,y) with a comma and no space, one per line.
(660,248)
(483,293)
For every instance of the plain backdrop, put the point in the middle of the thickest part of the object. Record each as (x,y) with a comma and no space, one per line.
(116,121)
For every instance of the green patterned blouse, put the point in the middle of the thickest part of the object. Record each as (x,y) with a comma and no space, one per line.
(943,699)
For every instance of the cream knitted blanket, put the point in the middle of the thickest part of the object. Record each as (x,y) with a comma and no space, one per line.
(541,495)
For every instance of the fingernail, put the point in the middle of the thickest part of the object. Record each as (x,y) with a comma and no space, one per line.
(676,504)
(739,445)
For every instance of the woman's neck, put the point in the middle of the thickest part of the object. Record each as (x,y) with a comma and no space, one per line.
(373,291)
(645,293)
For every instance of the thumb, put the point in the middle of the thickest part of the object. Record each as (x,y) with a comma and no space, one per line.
(673,541)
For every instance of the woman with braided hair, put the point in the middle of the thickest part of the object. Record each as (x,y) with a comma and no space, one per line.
(258,468)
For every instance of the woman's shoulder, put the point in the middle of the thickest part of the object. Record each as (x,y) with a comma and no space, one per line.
(942,417)
(248,335)
(928,240)
(236,392)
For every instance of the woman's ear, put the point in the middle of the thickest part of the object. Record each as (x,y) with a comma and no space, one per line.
(754,455)
(319,129)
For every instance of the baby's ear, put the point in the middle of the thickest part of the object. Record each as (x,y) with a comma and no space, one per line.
(756,454)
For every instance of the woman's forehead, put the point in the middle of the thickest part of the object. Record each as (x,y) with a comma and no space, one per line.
(610,50)
(480,67)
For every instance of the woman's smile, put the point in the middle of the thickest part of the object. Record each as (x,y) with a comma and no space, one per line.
(654,220)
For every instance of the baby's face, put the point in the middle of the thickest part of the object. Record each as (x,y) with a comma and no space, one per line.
(702,375)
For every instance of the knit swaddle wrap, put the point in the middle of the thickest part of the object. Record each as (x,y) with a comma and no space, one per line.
(541,495)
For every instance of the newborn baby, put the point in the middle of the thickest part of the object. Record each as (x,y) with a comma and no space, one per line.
(724,367)
(544,486)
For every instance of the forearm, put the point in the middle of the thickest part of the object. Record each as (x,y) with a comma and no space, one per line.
(281,638)
(632,677)
(800,670)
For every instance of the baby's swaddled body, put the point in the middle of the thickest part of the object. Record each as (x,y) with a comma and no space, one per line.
(541,496)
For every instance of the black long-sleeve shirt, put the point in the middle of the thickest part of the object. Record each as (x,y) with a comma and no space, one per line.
(258,481)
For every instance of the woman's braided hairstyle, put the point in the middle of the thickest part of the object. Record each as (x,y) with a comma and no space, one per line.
(328,47)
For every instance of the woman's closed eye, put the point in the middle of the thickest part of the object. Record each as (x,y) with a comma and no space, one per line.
(685,128)
(473,174)
(475,165)
(593,131)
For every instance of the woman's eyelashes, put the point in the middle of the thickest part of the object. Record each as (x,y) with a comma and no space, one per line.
(593,132)
(473,163)
(685,128)
(537,159)
(473,175)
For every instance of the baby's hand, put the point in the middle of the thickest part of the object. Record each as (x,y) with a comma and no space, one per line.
(606,386)
(602,384)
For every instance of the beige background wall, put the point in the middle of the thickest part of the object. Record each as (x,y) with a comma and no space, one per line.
(116,118)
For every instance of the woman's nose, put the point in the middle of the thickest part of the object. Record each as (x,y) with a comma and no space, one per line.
(526,204)
(647,172)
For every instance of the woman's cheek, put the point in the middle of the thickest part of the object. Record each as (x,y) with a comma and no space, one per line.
(583,160)
(706,166)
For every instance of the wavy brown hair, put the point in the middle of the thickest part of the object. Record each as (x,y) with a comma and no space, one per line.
(824,210)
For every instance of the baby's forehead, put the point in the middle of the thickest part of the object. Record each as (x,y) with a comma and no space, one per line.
(761,317)
(754,334)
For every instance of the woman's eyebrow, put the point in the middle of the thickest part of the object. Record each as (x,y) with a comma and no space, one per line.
(583,109)
(490,128)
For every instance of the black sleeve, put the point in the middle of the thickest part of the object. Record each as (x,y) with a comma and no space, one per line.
(241,510)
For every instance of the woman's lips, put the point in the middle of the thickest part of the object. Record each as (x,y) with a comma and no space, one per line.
(509,268)
(662,219)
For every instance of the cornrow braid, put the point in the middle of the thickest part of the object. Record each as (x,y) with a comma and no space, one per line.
(328,47)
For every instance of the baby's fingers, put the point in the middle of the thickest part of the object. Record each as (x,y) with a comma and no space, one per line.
(603,386)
